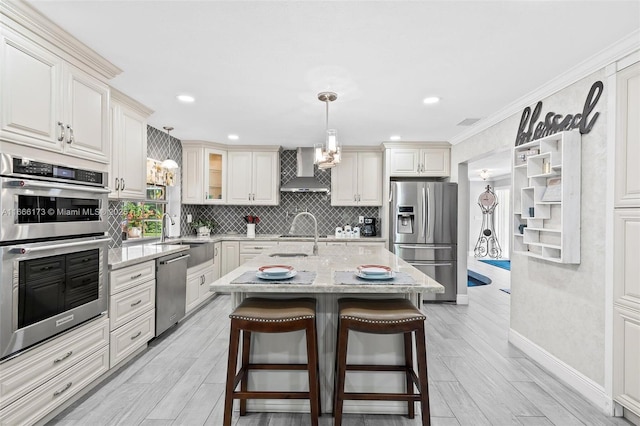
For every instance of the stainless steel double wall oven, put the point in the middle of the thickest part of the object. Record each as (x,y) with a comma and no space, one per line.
(53,250)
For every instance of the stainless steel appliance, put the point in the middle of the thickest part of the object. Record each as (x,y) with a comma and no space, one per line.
(423,230)
(171,285)
(53,250)
(369,227)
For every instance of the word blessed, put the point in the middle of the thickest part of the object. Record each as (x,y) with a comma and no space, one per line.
(554,123)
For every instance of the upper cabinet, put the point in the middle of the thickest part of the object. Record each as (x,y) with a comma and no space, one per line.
(127,179)
(411,160)
(204,173)
(627,188)
(49,101)
(357,179)
(254,176)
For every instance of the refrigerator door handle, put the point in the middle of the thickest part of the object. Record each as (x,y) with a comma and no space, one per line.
(430,264)
(390,191)
(423,220)
(426,205)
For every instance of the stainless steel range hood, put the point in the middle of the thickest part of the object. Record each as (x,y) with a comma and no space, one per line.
(304,180)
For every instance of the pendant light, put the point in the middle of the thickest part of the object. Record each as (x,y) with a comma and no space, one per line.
(328,155)
(169,163)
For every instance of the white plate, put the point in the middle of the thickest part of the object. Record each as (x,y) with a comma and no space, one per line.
(374,270)
(386,276)
(275,270)
(286,276)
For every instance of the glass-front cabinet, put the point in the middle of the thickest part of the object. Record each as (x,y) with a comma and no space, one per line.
(215,164)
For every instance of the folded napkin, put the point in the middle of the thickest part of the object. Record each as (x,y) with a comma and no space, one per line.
(302,277)
(350,277)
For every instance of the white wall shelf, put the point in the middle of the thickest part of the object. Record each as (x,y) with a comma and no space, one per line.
(546,202)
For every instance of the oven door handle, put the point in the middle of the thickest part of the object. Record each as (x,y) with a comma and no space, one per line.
(25,250)
(51,185)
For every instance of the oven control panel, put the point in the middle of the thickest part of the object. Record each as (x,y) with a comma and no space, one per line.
(25,166)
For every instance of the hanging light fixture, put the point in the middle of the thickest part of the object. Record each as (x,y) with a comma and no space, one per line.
(169,163)
(328,155)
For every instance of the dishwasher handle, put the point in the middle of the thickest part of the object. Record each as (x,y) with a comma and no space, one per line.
(167,262)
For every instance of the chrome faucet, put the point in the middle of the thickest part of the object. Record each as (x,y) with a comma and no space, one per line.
(315,235)
(164,229)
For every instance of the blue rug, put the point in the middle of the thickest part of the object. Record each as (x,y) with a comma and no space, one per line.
(475,279)
(504,264)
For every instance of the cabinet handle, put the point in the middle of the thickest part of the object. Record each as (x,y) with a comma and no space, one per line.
(133,277)
(60,392)
(136,303)
(358,197)
(122,181)
(206,195)
(61,137)
(63,357)
(215,251)
(201,279)
(136,335)
(71,138)
(355,197)
(117,184)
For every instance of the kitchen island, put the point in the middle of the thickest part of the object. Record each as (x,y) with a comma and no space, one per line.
(290,347)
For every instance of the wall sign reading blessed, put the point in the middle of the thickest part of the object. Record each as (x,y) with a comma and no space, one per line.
(554,123)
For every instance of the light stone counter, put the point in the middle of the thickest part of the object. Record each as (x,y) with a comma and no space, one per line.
(130,255)
(274,237)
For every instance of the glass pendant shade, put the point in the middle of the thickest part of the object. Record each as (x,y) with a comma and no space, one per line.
(328,156)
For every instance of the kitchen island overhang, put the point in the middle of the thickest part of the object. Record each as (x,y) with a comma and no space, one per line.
(291,347)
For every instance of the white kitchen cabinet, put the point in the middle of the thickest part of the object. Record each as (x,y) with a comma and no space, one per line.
(215,176)
(419,161)
(199,278)
(357,179)
(251,249)
(204,173)
(127,179)
(192,173)
(254,177)
(230,256)
(217,250)
(49,103)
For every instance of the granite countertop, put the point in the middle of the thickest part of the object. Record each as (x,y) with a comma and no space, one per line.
(130,255)
(272,237)
(329,260)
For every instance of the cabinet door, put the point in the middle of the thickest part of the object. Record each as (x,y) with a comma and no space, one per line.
(265,179)
(132,152)
(434,162)
(230,257)
(215,165)
(404,161)
(30,95)
(203,289)
(344,180)
(628,138)
(87,112)
(369,178)
(216,261)
(193,291)
(192,187)
(240,169)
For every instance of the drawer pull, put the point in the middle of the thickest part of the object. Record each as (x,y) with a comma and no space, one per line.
(60,392)
(62,358)
(136,303)
(136,335)
(133,277)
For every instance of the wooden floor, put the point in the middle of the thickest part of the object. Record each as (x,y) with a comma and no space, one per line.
(476,377)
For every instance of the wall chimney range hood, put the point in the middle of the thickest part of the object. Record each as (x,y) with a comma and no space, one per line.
(304,180)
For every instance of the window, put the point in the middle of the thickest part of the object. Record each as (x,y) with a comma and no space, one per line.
(142,219)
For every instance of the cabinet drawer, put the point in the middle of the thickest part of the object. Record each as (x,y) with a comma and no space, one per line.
(122,279)
(129,304)
(132,336)
(56,391)
(27,371)
(256,247)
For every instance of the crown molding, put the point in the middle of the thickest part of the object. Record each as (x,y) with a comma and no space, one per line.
(120,97)
(613,53)
(26,20)
(417,144)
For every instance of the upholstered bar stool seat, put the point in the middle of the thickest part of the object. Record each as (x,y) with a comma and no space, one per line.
(271,316)
(389,316)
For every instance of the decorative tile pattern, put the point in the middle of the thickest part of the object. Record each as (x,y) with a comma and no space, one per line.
(115,230)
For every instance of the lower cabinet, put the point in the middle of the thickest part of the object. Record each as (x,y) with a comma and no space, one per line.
(249,250)
(198,280)
(37,382)
(230,256)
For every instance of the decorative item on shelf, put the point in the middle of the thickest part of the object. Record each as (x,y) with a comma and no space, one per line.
(156,175)
(487,241)
(546,166)
(328,156)
(155,193)
(521,228)
(252,221)
(554,190)
(203,227)
(524,155)
(532,212)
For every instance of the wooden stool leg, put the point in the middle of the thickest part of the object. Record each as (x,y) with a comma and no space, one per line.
(421,354)
(312,367)
(246,353)
(408,363)
(234,340)
(342,371)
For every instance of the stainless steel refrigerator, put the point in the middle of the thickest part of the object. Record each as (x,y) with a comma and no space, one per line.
(423,220)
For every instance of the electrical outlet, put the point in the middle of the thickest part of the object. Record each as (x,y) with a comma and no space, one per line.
(189,218)
(360,219)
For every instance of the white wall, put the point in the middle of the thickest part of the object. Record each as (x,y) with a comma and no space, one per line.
(560,307)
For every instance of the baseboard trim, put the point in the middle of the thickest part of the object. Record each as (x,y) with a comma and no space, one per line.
(577,381)
(462,299)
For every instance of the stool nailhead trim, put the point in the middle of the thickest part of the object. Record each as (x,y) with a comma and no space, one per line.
(382,321)
(271,320)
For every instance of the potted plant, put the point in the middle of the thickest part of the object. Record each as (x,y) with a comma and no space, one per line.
(203,227)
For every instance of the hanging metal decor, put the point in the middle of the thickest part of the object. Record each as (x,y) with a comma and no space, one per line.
(487,242)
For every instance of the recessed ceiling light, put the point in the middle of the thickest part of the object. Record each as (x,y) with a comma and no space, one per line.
(394,138)
(233,137)
(431,100)
(186,98)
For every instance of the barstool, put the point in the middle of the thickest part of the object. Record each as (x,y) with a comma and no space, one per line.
(271,316)
(383,317)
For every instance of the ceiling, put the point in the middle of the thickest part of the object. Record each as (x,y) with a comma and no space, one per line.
(255,67)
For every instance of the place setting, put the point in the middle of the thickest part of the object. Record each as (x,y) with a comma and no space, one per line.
(276,274)
(373,274)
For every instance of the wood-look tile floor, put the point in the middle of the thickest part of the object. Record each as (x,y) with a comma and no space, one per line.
(475,376)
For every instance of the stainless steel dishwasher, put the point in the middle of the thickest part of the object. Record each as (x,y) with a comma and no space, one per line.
(171,290)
